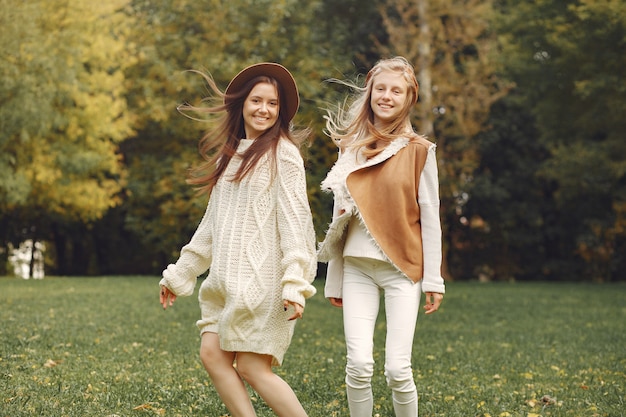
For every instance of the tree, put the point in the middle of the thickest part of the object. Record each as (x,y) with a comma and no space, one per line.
(451,44)
(316,40)
(507,216)
(63,114)
(567,61)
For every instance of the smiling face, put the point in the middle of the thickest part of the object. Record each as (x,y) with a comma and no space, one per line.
(389,97)
(260,110)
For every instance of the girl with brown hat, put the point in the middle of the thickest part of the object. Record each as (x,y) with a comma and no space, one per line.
(256,239)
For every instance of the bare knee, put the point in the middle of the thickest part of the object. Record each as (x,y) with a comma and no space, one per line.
(246,373)
(207,357)
(253,368)
(211,355)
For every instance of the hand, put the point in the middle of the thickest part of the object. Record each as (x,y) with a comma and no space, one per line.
(167,297)
(337,302)
(297,309)
(432,302)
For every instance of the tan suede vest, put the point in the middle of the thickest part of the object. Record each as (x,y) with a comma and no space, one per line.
(386,196)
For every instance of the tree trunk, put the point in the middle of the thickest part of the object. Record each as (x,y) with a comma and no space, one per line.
(424,68)
(31,266)
(424,71)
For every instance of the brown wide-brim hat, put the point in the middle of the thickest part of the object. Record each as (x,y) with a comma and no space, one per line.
(273,70)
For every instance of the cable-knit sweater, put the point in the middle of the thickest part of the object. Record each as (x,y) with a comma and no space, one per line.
(257,240)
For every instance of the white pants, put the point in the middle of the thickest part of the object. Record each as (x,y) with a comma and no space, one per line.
(363,280)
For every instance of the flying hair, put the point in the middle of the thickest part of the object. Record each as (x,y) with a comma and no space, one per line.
(351,123)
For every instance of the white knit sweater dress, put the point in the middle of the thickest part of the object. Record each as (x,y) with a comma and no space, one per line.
(257,241)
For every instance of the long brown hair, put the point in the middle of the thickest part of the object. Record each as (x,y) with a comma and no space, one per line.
(354,127)
(228,131)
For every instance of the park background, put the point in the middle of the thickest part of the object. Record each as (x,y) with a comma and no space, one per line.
(525,100)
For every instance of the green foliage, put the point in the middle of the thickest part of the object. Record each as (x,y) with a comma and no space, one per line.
(74,347)
(220,37)
(564,58)
(63,113)
(451,46)
(94,155)
(571,58)
(506,216)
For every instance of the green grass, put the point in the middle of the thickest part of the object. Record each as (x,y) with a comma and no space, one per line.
(104,347)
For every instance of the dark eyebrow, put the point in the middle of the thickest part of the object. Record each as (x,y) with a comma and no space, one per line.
(261,98)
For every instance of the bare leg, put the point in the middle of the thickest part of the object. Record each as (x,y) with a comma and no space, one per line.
(256,369)
(227,382)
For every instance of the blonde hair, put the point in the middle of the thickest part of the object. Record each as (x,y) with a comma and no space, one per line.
(354,126)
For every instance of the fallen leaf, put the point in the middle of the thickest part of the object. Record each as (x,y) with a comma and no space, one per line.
(547,400)
(50,364)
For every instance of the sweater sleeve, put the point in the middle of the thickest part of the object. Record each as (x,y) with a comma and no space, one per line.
(195,258)
(295,226)
(428,201)
(333,287)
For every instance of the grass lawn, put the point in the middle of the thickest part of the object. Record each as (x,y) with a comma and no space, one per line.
(104,347)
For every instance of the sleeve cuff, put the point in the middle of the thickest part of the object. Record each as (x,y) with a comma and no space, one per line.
(178,287)
(429,286)
(298,293)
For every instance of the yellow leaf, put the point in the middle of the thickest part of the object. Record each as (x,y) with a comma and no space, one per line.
(50,364)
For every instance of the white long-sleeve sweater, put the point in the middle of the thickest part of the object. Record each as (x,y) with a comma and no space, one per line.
(257,240)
